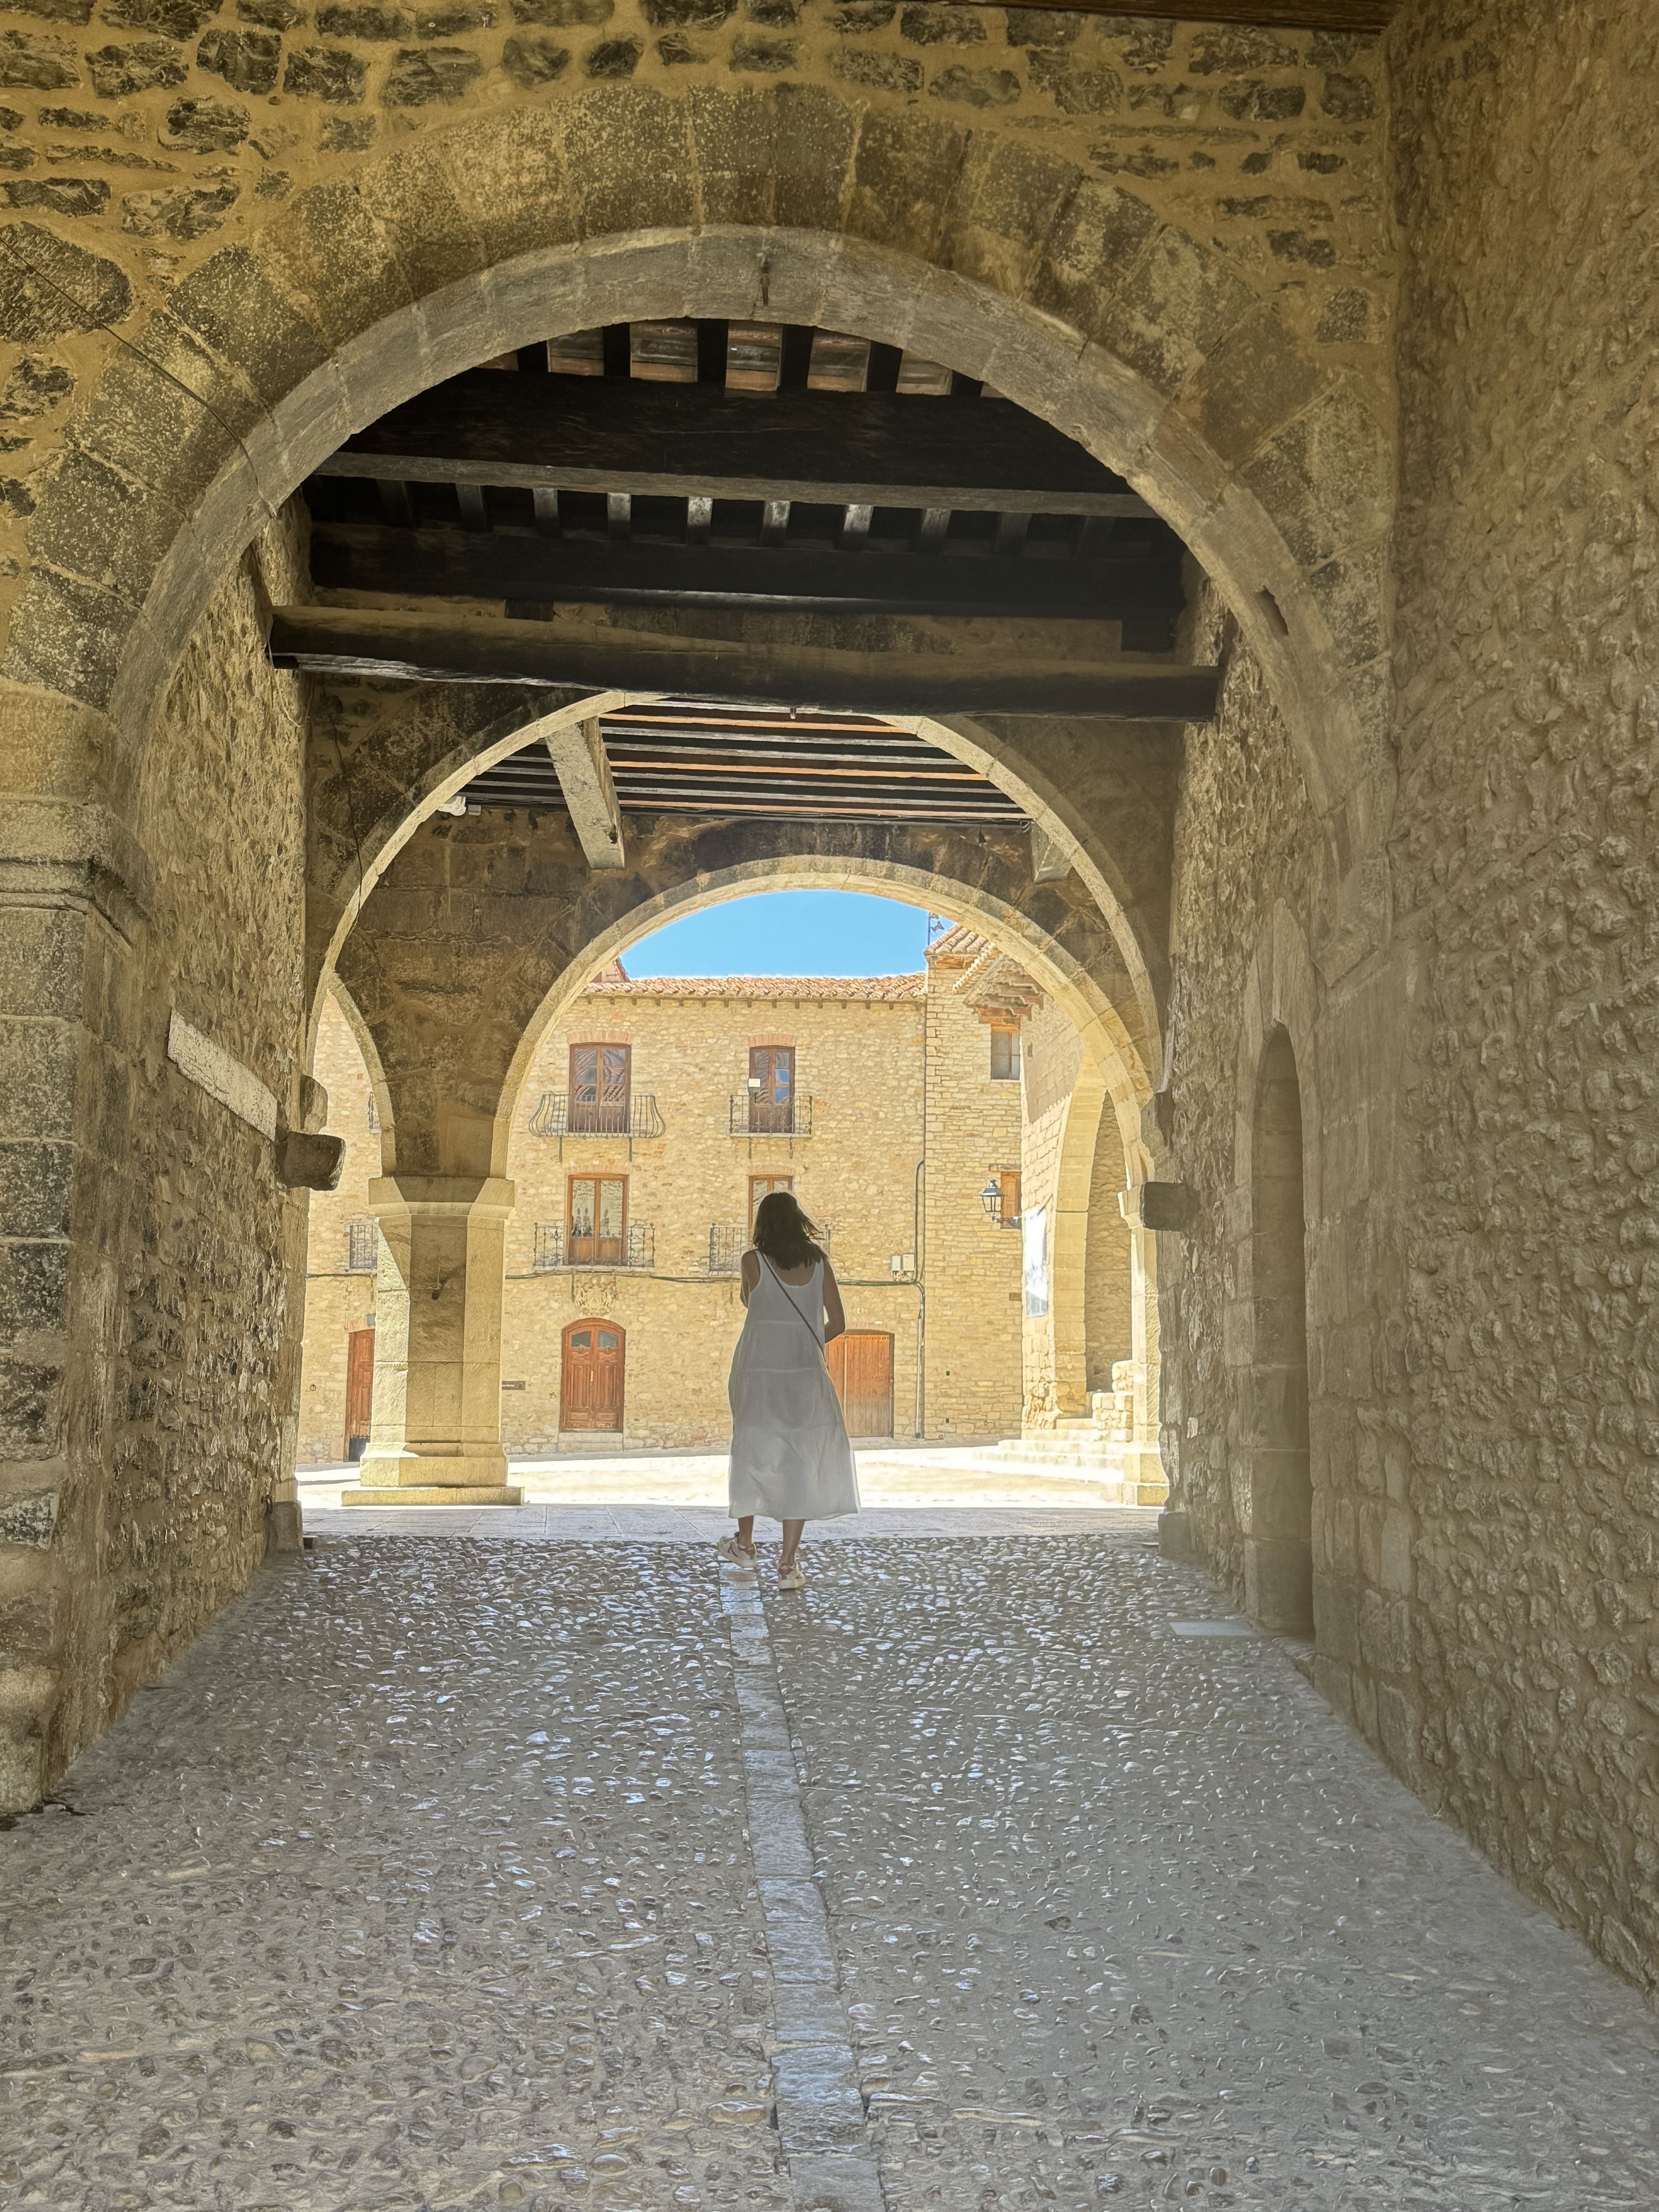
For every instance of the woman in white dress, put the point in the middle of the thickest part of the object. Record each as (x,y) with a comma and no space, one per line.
(790,1456)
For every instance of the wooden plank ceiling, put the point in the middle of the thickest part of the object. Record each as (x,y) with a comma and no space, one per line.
(704,469)
(684,756)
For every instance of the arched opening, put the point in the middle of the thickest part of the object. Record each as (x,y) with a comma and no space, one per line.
(1278,1529)
(608,1166)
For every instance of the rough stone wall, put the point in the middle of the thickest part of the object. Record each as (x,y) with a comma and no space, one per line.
(1245,839)
(141,1460)
(336,1301)
(1524,855)
(972,1267)
(207,1301)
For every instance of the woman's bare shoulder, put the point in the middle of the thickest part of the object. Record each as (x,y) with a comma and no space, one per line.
(751,1263)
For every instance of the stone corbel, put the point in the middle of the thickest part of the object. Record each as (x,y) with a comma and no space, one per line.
(308,1161)
(1165,1205)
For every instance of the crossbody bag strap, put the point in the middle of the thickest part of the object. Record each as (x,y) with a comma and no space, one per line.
(793,1308)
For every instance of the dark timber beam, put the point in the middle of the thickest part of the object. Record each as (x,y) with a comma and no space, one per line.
(984,673)
(699,441)
(470,564)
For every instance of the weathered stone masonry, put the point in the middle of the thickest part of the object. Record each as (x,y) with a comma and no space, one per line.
(1416,840)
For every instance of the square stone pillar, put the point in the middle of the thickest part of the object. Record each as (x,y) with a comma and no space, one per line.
(435,1433)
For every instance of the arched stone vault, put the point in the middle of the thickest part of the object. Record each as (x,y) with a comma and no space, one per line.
(1070,295)
(384,759)
(481,929)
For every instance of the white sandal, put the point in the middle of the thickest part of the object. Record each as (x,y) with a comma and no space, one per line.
(794,1579)
(733,1552)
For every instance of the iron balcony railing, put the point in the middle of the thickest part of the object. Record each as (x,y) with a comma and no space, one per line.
(728,1241)
(363,1245)
(770,1117)
(558,1114)
(556,1247)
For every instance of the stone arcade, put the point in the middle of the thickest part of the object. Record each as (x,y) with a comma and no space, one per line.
(1239,506)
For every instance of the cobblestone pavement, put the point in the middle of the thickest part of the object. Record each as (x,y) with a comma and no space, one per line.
(429,1879)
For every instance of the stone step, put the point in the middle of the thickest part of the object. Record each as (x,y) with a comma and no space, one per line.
(1125,1473)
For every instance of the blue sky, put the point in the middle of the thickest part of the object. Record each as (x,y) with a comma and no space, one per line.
(788,934)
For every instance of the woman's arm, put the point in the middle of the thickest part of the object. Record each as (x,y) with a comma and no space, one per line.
(748,1274)
(835,1314)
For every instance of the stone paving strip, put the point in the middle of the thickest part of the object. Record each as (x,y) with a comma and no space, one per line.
(988,1872)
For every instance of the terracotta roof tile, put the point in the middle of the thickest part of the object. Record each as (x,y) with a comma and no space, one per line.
(606,985)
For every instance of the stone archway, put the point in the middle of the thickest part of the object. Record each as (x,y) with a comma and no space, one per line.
(202,406)
(373,784)
(458,1006)
(289,318)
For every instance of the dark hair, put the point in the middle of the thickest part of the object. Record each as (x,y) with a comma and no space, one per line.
(783,1232)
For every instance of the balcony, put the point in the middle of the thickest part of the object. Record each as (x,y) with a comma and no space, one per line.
(560,1115)
(770,1117)
(557,1250)
(362,1245)
(728,1241)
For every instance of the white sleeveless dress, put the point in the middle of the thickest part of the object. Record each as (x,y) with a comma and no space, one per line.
(790,1457)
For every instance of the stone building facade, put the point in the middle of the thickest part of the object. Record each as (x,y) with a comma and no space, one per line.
(899,1116)
(1364,318)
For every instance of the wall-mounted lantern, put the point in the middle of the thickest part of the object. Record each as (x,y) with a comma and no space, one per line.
(991,1199)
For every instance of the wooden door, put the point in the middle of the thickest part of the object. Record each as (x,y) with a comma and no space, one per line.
(360,1390)
(597,1220)
(600,1089)
(591,1391)
(772,1090)
(861,1365)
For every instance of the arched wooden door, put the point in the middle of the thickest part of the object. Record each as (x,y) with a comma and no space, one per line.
(861,1365)
(590,1388)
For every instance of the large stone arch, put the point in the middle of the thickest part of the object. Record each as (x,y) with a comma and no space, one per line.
(1080,304)
(427,742)
(477,939)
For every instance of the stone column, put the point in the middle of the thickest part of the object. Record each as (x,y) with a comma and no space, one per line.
(435,1436)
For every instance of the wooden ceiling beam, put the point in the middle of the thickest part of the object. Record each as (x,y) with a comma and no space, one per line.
(700,441)
(990,670)
(499,564)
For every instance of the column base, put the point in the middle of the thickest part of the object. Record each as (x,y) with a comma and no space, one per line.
(434,1493)
(1145,1482)
(401,1477)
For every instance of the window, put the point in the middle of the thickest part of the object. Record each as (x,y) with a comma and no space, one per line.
(772,1090)
(761,1187)
(598,1221)
(1009,1212)
(1005,1055)
(600,1078)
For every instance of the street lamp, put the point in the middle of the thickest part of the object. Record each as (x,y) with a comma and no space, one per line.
(991,1199)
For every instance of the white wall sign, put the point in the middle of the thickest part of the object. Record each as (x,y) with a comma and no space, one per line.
(1033,1233)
